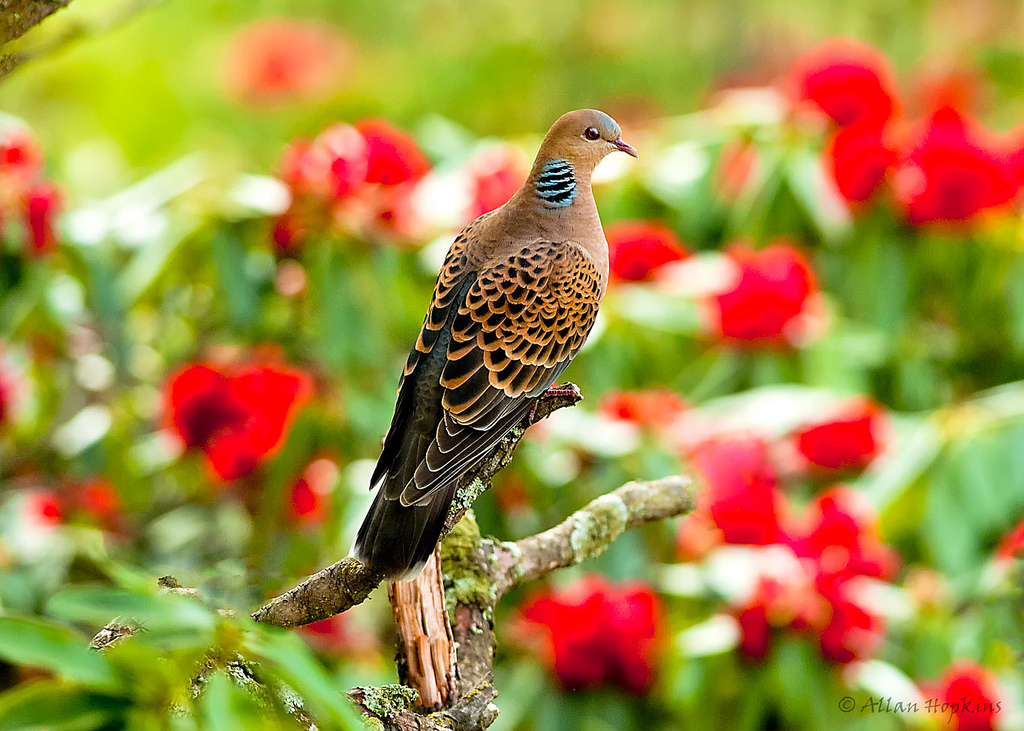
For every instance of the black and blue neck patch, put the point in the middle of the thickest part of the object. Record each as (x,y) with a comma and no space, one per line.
(556,184)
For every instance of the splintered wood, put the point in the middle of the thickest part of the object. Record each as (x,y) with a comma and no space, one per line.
(425,643)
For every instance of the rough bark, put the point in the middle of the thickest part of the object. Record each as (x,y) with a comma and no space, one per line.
(426,648)
(17,17)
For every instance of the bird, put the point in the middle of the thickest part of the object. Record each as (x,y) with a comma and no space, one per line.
(515,299)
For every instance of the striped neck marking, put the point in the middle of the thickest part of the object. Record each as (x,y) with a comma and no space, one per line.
(556,184)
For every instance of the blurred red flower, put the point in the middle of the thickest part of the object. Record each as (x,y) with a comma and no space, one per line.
(20,156)
(237,418)
(393,155)
(770,292)
(656,408)
(849,81)
(495,175)
(42,201)
(848,441)
(740,493)
(281,60)
(858,157)
(99,498)
(334,165)
(970,697)
(840,532)
(598,634)
(7,394)
(311,493)
(1012,544)
(43,507)
(331,635)
(637,249)
(852,632)
(953,172)
(774,605)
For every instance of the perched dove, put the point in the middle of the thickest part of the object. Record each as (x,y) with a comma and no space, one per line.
(514,303)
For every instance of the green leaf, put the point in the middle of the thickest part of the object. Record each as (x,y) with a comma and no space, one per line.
(286,656)
(53,706)
(240,293)
(38,644)
(157,613)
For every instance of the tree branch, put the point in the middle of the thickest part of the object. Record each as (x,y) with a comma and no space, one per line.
(346,583)
(17,17)
(589,531)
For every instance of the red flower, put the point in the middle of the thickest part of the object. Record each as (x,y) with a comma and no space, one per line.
(653,408)
(331,635)
(970,697)
(848,441)
(637,249)
(775,605)
(44,508)
(852,632)
(953,172)
(755,631)
(311,493)
(740,492)
(280,60)
(7,395)
(20,156)
(495,175)
(238,418)
(99,498)
(41,205)
(599,634)
(394,157)
(851,82)
(858,159)
(841,534)
(769,294)
(1012,544)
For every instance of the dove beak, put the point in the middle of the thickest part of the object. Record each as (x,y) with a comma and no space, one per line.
(628,149)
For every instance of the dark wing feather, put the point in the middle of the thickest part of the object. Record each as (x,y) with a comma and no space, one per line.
(521,323)
(450,281)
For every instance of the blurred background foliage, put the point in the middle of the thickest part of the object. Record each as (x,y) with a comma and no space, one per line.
(216,254)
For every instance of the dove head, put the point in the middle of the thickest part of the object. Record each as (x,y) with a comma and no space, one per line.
(573,147)
(583,138)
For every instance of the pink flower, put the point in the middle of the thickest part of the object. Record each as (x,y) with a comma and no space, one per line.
(282,60)
(849,81)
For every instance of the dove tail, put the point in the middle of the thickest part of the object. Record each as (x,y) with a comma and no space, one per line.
(396,540)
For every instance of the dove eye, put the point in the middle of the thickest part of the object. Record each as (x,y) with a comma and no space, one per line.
(591,133)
